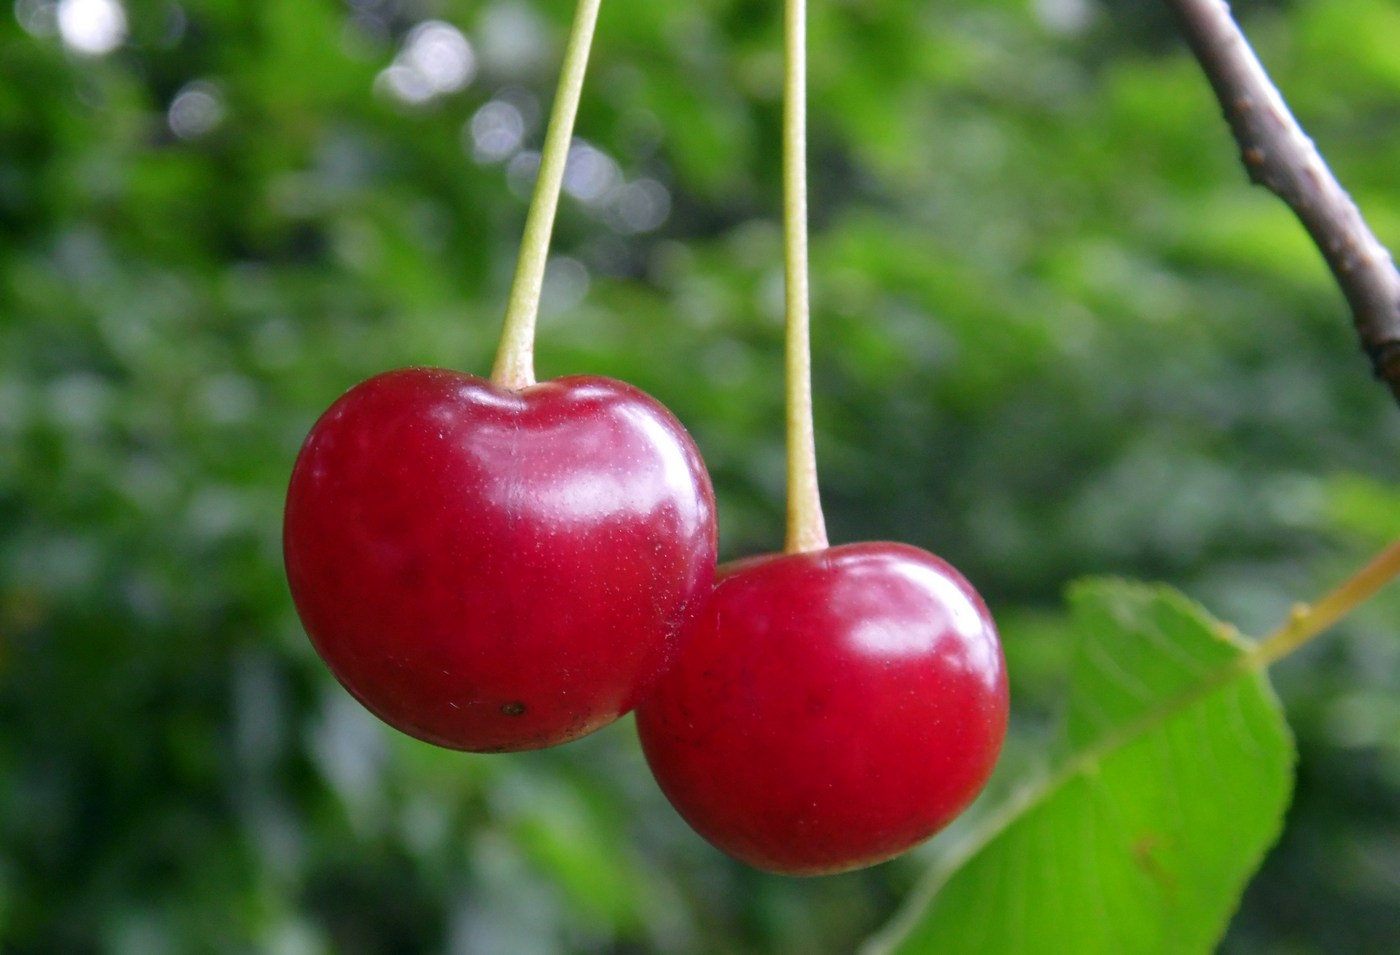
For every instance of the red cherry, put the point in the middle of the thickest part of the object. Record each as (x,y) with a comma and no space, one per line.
(489,569)
(832,710)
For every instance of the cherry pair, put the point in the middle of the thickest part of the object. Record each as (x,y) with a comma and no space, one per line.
(491,568)
(503,565)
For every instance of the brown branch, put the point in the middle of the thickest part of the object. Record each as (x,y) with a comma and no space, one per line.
(1279,156)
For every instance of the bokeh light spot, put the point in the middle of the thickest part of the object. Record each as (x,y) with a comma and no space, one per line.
(641,206)
(591,175)
(436,59)
(496,132)
(91,27)
(37,17)
(195,110)
(522,171)
(566,282)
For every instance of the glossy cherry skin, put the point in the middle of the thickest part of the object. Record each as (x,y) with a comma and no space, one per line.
(832,710)
(488,569)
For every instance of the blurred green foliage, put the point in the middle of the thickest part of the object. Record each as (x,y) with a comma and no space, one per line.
(1056,333)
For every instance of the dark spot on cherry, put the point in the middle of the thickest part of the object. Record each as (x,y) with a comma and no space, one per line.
(513,708)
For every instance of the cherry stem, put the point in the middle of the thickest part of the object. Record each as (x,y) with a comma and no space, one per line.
(515,355)
(806,527)
(1308,621)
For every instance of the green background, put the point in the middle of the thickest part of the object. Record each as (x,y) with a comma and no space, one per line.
(1056,333)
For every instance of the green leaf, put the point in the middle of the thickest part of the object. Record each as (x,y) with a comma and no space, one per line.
(1176,772)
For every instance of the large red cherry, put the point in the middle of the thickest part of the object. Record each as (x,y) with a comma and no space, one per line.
(491,569)
(833,709)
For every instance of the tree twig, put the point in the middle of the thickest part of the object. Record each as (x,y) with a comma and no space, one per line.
(1279,156)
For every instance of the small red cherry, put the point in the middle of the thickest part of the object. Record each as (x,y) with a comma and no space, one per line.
(833,709)
(496,569)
